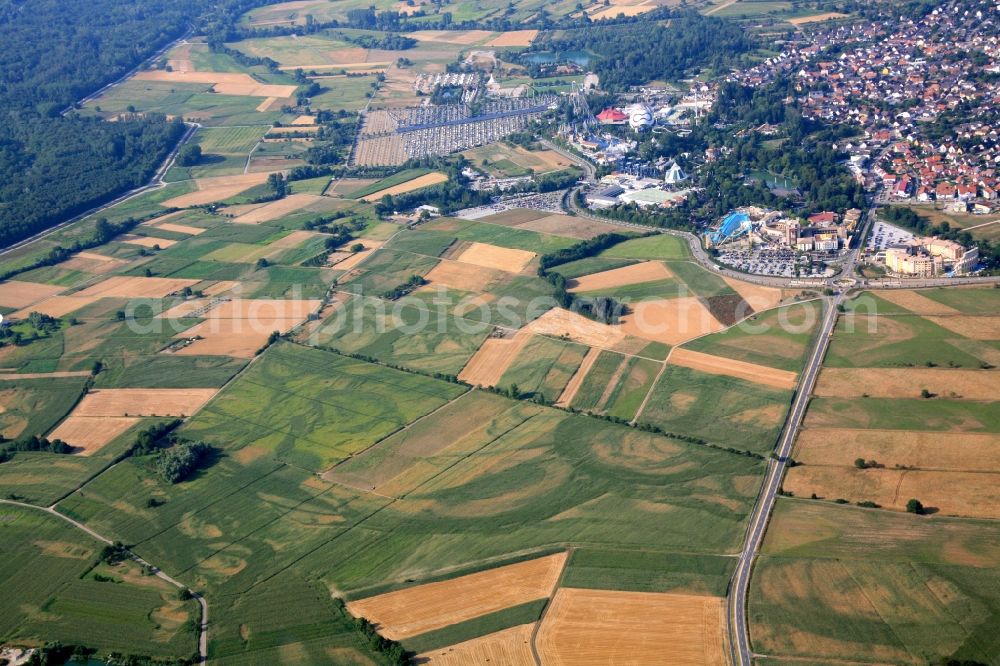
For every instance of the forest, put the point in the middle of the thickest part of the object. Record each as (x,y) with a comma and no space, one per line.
(637,53)
(53,53)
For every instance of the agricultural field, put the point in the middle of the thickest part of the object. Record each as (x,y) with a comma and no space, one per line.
(54,591)
(917,373)
(503,160)
(924,591)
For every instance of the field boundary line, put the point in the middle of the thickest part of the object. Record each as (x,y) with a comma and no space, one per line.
(548,604)
(382,439)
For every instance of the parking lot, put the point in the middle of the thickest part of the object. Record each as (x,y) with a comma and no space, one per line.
(885,235)
(773,262)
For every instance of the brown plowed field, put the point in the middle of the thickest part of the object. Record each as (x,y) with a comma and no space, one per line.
(492,256)
(17,294)
(916,302)
(581,373)
(123,286)
(492,359)
(646,271)
(90,433)
(600,627)
(417,610)
(974,494)
(718,365)
(670,321)
(143,402)
(510,647)
(951,383)
(558,323)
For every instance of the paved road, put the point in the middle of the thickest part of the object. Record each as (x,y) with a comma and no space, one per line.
(203,634)
(736,617)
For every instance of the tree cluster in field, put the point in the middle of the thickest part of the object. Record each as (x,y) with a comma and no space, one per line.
(452,195)
(390,41)
(393,651)
(32,443)
(153,438)
(181,460)
(41,326)
(604,309)
(907,218)
(404,289)
(333,140)
(103,232)
(636,53)
(56,653)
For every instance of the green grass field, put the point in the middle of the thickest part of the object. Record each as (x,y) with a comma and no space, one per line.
(660,246)
(937,414)
(50,593)
(390,181)
(312,408)
(34,406)
(779,338)
(544,367)
(495,234)
(722,410)
(927,590)
(395,333)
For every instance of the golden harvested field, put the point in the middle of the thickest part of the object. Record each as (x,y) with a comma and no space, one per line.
(218,188)
(565,225)
(646,271)
(583,627)
(13,376)
(800,20)
(180,228)
(559,322)
(975,328)
(628,8)
(510,647)
(671,321)
(17,294)
(345,187)
(417,610)
(123,286)
(951,383)
(973,494)
(240,327)
(56,306)
(220,287)
(916,302)
(352,259)
(143,402)
(460,37)
(758,297)
(465,277)
(581,373)
(718,365)
(428,179)
(90,433)
(224,83)
(305,120)
(145,241)
(514,38)
(956,451)
(492,359)
(492,256)
(89,262)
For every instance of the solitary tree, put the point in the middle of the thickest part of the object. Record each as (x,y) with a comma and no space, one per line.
(915,506)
